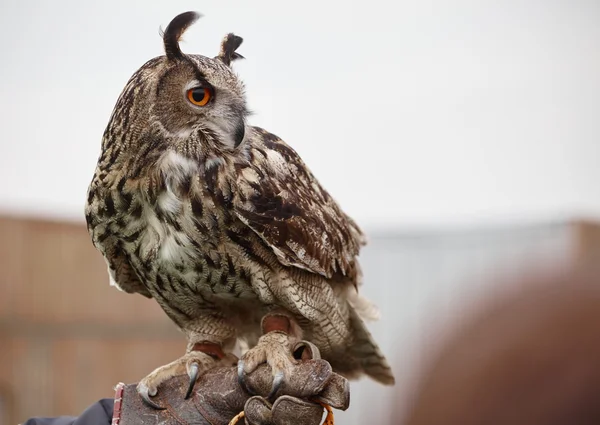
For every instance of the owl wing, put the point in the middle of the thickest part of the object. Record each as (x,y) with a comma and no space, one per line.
(281,201)
(121,274)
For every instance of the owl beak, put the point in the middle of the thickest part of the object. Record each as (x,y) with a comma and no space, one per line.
(240,131)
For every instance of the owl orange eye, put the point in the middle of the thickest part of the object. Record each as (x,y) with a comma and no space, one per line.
(199,96)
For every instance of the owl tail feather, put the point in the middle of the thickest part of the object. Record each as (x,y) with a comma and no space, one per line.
(363,307)
(363,356)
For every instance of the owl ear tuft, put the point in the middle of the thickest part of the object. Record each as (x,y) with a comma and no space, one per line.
(229,45)
(175,30)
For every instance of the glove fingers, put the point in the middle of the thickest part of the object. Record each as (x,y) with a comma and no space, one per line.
(257,411)
(292,411)
(336,394)
(308,378)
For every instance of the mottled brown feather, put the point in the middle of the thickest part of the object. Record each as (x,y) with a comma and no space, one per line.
(175,30)
(229,45)
(221,229)
(293,214)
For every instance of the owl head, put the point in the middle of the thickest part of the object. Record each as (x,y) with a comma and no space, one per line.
(182,99)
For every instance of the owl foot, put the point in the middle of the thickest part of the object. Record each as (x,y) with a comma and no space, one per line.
(274,348)
(194,363)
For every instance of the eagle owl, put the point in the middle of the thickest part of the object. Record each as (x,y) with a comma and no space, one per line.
(224,225)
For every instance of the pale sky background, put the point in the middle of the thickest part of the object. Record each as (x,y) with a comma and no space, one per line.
(410,113)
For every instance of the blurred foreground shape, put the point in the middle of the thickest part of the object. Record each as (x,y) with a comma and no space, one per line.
(527,357)
(66,337)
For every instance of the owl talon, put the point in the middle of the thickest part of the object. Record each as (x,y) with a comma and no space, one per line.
(277,381)
(275,349)
(193,371)
(242,378)
(194,363)
(144,394)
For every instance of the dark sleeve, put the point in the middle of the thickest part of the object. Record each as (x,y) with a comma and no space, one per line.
(99,413)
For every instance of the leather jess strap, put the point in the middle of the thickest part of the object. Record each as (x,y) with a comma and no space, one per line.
(212,349)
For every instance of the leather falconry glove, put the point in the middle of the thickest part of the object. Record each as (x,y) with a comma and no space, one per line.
(218,397)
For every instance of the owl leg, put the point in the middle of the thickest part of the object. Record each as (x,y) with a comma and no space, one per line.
(280,333)
(206,340)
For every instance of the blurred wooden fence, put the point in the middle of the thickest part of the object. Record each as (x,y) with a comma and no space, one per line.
(66,337)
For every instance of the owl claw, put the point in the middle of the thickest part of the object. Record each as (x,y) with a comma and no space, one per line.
(273,348)
(277,381)
(144,394)
(242,378)
(193,371)
(193,363)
